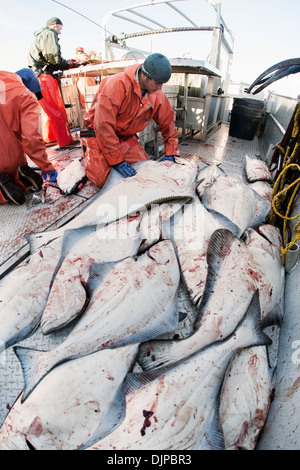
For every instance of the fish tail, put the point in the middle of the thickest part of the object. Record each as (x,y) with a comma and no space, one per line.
(252,323)
(2,346)
(37,240)
(34,368)
(156,353)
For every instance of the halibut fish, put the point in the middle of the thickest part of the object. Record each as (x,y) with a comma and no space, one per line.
(237,201)
(257,170)
(67,407)
(235,271)
(23,296)
(154,183)
(245,398)
(173,408)
(135,302)
(69,293)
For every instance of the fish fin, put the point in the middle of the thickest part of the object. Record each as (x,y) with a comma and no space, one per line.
(136,380)
(214,437)
(219,246)
(263,210)
(156,354)
(38,240)
(226,223)
(98,272)
(252,319)
(275,317)
(33,369)
(166,323)
(114,416)
(72,236)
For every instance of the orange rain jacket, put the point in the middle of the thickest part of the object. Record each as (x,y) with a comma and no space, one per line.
(117,114)
(19,135)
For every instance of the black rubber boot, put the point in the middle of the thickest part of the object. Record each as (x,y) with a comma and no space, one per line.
(72,145)
(10,191)
(29,177)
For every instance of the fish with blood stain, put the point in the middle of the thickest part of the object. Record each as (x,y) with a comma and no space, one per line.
(85,247)
(243,206)
(117,313)
(251,263)
(182,397)
(190,230)
(23,295)
(245,398)
(154,183)
(64,417)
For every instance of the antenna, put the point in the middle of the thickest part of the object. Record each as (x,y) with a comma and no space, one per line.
(78,13)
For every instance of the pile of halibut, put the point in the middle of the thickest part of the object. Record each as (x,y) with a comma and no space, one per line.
(163,285)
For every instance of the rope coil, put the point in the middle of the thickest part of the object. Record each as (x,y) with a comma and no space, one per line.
(285,191)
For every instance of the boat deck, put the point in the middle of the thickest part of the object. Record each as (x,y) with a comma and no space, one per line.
(59,209)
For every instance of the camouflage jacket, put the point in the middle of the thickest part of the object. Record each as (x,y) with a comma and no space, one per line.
(45,51)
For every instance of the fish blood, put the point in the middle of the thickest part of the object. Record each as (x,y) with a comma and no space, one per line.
(147,422)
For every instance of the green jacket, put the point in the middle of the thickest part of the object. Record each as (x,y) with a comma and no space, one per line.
(45,51)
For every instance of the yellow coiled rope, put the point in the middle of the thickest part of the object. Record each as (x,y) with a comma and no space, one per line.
(276,199)
(282,188)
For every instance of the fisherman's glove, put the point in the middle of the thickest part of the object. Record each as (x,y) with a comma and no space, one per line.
(52,175)
(125,169)
(171,158)
(73,63)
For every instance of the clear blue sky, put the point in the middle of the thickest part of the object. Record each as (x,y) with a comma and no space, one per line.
(266,32)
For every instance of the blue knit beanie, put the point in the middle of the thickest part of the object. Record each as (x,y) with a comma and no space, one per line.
(31,81)
(158,67)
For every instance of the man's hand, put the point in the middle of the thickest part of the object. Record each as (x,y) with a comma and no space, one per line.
(125,169)
(73,63)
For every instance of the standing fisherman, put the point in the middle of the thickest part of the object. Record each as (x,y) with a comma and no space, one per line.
(45,59)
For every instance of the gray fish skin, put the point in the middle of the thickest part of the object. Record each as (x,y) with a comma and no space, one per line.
(179,401)
(191,230)
(23,296)
(235,272)
(117,314)
(245,398)
(242,206)
(67,406)
(155,182)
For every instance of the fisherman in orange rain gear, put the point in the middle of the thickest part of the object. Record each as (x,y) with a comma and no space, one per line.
(19,136)
(124,105)
(45,58)
(83,82)
(80,55)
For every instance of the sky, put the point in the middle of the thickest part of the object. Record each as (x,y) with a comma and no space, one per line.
(265,32)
